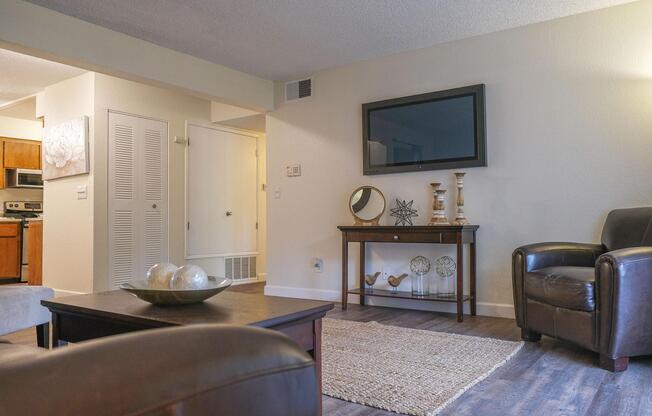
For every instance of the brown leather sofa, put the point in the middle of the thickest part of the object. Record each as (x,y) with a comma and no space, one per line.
(598,296)
(191,370)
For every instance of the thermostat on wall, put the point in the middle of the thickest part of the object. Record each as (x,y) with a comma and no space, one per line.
(294,170)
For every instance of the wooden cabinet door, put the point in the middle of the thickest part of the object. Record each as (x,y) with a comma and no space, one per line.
(22,155)
(9,250)
(2,162)
(35,253)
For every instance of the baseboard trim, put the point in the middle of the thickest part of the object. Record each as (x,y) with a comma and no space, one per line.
(499,310)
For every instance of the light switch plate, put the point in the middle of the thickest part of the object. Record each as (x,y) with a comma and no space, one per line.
(82,192)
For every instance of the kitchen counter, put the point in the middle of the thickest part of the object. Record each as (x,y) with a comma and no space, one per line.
(6,219)
(33,219)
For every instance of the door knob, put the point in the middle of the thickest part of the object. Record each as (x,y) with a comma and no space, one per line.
(154,206)
(229,213)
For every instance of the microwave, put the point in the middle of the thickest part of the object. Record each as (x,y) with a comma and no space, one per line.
(23,178)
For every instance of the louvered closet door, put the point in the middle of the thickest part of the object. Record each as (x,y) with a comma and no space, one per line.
(138,217)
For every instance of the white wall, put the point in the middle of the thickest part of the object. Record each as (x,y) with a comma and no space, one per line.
(20,129)
(68,223)
(569,126)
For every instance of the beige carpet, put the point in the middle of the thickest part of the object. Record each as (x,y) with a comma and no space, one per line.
(404,370)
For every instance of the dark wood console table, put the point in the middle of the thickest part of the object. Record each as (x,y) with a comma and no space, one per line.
(440,234)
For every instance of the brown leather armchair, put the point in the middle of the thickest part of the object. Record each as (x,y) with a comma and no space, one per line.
(190,370)
(598,296)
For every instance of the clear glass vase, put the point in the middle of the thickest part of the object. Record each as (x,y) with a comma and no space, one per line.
(420,284)
(446,286)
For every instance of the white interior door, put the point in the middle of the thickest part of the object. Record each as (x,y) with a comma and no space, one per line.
(138,200)
(222,210)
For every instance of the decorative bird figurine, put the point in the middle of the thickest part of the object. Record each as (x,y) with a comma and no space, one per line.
(395,281)
(370,280)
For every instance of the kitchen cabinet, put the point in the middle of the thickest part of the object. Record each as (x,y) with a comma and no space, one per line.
(17,153)
(10,245)
(35,253)
(2,168)
(22,154)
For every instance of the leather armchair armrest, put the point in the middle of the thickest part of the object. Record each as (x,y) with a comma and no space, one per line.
(537,256)
(624,290)
(189,370)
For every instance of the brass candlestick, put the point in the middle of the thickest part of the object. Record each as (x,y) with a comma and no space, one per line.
(460,217)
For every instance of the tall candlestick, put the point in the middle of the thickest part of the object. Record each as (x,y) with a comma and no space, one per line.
(460,217)
(439,217)
(435,204)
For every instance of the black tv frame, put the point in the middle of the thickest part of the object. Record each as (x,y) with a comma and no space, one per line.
(480,158)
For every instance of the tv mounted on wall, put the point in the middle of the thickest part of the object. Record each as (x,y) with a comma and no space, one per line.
(437,130)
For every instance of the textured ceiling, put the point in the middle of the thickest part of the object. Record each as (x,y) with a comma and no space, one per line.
(283,39)
(22,75)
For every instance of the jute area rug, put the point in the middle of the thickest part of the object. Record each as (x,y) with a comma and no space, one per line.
(404,370)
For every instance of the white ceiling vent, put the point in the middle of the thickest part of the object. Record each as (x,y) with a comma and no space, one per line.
(298,90)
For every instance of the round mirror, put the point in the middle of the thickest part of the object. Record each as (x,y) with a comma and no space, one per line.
(367,204)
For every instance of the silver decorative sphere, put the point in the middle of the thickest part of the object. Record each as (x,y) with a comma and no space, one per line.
(420,265)
(159,275)
(445,266)
(189,277)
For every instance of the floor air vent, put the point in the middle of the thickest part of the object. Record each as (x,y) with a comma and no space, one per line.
(240,268)
(298,90)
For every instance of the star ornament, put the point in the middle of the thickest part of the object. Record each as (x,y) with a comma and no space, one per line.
(403,212)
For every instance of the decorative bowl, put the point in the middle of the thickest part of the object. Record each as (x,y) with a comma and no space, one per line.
(170,297)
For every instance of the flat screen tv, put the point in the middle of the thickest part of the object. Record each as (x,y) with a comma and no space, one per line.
(437,130)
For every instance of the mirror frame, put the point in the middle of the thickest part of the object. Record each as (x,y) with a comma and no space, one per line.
(373,221)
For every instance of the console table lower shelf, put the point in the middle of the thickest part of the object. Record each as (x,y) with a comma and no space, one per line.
(382,293)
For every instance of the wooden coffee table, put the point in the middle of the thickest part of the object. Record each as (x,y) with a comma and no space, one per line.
(83,317)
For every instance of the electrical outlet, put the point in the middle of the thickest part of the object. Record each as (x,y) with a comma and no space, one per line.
(277,192)
(318,265)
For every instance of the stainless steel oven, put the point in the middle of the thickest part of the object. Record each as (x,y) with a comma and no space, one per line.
(24,210)
(23,178)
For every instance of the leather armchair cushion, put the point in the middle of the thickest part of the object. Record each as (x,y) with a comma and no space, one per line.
(565,287)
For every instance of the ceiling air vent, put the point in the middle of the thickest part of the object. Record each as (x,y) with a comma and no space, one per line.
(298,90)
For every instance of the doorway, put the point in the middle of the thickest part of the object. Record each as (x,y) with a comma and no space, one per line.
(223,185)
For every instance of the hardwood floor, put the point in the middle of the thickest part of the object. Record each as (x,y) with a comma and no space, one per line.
(547,378)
